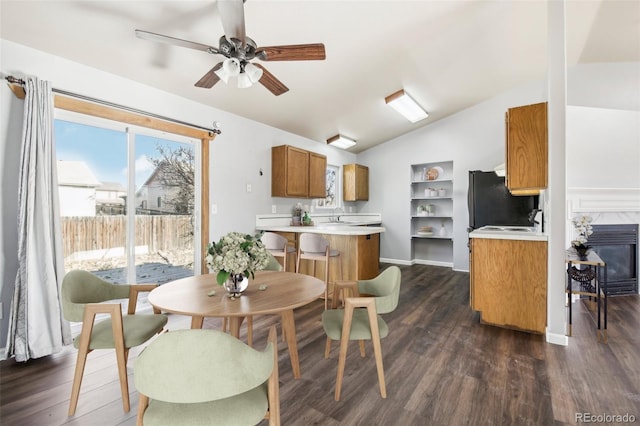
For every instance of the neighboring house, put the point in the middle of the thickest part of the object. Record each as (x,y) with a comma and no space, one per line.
(159,194)
(77,188)
(110,198)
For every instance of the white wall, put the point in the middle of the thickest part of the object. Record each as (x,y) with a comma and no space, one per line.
(473,139)
(236,156)
(603,148)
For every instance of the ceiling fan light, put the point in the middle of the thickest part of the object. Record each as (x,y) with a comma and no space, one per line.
(406,106)
(223,74)
(244,81)
(254,73)
(232,67)
(340,141)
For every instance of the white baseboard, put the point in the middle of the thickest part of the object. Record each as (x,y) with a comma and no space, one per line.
(557,339)
(433,263)
(417,262)
(395,261)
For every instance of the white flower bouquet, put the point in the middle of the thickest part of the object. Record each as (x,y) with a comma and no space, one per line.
(236,253)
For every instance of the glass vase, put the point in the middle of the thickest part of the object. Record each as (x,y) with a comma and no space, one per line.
(236,284)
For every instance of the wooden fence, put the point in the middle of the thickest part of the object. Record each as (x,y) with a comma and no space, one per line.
(164,232)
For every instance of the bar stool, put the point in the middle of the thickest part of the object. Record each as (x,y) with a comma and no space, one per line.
(277,245)
(316,248)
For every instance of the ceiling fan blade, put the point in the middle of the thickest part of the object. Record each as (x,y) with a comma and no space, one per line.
(272,84)
(232,17)
(146,35)
(210,78)
(292,52)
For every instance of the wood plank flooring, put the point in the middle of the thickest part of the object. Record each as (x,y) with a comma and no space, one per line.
(441,367)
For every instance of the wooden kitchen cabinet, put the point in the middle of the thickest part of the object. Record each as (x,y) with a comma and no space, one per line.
(355,182)
(317,175)
(527,149)
(508,280)
(297,173)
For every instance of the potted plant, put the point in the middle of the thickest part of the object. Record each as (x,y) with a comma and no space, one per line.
(582,225)
(234,258)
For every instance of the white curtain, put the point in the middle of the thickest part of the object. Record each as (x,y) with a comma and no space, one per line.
(36,325)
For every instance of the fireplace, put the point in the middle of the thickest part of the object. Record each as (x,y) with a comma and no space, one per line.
(617,245)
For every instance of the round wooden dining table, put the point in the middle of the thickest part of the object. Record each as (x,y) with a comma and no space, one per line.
(282,292)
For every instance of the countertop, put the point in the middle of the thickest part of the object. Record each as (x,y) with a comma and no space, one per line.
(509,233)
(328,228)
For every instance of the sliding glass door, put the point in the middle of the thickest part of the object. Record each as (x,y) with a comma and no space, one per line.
(129,200)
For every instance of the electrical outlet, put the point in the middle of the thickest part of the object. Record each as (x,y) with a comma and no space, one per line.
(248,187)
(273,208)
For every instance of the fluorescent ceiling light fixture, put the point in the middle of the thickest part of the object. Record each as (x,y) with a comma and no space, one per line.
(405,105)
(340,141)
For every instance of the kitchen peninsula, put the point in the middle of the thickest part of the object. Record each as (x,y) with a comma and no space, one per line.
(354,236)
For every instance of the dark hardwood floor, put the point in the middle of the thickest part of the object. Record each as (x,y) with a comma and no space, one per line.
(442,367)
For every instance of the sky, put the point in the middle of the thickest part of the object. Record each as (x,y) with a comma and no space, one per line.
(104,151)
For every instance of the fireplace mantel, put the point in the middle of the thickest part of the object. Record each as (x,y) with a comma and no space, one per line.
(605,205)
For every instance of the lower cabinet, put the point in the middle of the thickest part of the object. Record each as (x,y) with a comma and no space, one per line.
(508,281)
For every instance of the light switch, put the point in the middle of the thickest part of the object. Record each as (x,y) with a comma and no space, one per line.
(248,187)
(214,209)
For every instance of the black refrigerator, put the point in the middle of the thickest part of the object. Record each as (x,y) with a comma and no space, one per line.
(491,203)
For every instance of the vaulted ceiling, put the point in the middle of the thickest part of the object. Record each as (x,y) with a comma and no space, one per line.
(449,55)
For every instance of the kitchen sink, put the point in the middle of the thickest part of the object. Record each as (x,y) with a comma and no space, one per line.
(508,229)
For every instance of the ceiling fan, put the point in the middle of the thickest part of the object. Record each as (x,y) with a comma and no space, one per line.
(239,50)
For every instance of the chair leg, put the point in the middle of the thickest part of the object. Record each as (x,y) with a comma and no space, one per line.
(83,351)
(362,354)
(143,402)
(377,350)
(121,356)
(326,283)
(344,345)
(327,348)
(284,334)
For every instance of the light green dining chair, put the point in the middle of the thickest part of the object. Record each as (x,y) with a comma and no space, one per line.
(360,318)
(207,377)
(82,297)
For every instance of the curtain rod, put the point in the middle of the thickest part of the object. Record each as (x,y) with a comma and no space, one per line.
(215,130)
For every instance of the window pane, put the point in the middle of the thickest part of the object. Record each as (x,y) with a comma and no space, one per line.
(164,203)
(92,182)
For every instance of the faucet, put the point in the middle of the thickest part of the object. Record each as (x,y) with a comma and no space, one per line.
(336,218)
(532,216)
(532,219)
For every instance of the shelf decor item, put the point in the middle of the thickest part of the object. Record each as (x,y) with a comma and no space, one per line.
(235,258)
(582,225)
(296,214)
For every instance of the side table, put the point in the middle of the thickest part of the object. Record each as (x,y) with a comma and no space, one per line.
(590,279)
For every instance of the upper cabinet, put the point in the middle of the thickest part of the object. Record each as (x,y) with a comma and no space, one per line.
(317,175)
(355,182)
(527,149)
(297,173)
